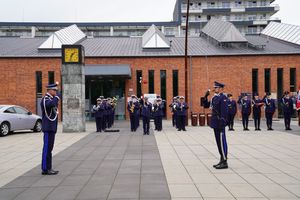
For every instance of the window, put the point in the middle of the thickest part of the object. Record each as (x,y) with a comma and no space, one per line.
(263,3)
(254,80)
(279,89)
(226,4)
(151,81)
(211,4)
(139,77)
(175,83)
(163,84)
(10,110)
(20,110)
(267,80)
(51,77)
(293,80)
(39,85)
(238,4)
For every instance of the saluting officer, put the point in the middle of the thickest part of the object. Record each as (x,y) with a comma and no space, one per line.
(49,106)
(181,108)
(218,105)
(246,110)
(288,109)
(232,109)
(146,114)
(270,109)
(257,103)
(98,110)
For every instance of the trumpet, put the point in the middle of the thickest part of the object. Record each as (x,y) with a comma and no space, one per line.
(132,108)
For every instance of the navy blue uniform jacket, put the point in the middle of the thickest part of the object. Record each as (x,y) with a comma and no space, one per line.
(232,108)
(146,110)
(49,106)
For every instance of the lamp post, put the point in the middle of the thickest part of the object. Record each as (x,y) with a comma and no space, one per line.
(186,54)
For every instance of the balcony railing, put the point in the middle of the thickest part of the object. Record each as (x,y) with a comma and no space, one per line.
(184,7)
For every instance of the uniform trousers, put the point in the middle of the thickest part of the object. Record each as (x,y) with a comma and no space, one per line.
(220,137)
(49,138)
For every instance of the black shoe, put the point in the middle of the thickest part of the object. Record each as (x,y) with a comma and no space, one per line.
(217,164)
(271,129)
(247,129)
(50,172)
(179,130)
(184,129)
(222,165)
(289,129)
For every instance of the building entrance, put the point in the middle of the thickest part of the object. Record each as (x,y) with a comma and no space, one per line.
(96,86)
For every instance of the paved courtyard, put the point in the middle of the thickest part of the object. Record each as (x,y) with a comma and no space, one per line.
(165,165)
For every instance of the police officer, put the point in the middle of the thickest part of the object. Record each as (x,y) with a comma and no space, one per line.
(246,110)
(288,109)
(133,108)
(98,111)
(232,109)
(270,109)
(146,114)
(218,105)
(257,103)
(173,110)
(158,113)
(181,108)
(49,106)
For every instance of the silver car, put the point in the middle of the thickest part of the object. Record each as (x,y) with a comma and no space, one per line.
(14,118)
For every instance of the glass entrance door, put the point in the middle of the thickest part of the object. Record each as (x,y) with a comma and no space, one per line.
(97,86)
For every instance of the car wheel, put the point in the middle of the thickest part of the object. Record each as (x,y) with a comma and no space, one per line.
(4,129)
(38,126)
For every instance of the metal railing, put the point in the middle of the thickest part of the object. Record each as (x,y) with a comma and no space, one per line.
(184,7)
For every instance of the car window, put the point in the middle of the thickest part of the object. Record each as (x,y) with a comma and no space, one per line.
(10,110)
(20,110)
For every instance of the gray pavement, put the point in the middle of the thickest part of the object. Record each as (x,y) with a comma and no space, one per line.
(100,166)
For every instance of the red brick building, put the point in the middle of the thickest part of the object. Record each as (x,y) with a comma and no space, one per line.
(273,66)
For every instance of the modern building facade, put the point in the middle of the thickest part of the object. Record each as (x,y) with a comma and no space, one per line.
(115,66)
(249,16)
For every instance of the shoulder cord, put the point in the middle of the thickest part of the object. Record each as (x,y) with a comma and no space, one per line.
(46,114)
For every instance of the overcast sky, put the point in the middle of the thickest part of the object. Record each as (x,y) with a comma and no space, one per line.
(110,11)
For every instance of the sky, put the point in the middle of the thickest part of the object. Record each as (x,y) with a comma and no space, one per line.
(110,11)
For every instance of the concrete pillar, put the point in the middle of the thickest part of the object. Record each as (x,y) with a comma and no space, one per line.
(73,80)
(111,31)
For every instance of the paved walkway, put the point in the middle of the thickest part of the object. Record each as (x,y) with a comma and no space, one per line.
(263,165)
(166,165)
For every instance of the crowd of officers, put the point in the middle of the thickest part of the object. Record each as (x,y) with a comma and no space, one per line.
(104,112)
(147,110)
(255,106)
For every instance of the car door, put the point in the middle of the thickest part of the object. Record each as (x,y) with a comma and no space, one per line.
(11,116)
(26,120)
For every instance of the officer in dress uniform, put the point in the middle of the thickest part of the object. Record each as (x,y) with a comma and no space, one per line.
(133,108)
(172,106)
(146,114)
(98,111)
(218,105)
(270,109)
(257,103)
(49,106)
(246,110)
(105,114)
(232,109)
(109,113)
(288,109)
(158,113)
(181,108)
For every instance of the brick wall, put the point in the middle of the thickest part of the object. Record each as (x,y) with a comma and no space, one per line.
(17,78)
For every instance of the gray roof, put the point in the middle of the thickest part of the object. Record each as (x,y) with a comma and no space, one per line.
(285,32)
(132,47)
(223,31)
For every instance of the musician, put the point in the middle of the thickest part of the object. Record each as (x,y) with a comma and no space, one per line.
(257,103)
(218,105)
(232,109)
(158,113)
(246,110)
(105,114)
(298,106)
(146,114)
(49,107)
(98,111)
(270,109)
(288,109)
(109,113)
(172,106)
(181,108)
(133,108)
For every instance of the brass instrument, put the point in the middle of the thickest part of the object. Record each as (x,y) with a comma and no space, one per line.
(132,108)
